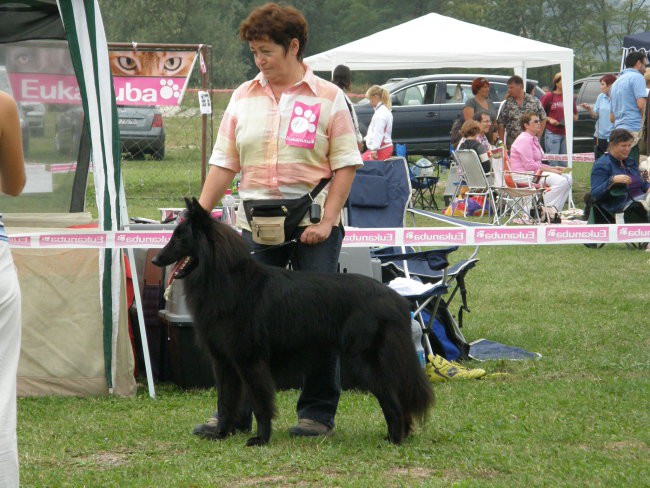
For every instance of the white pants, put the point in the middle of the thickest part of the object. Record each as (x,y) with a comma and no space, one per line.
(559,188)
(9,354)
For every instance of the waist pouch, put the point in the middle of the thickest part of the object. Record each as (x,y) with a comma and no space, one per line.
(273,221)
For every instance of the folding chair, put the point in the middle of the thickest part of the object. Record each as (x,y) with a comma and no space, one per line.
(424,176)
(476,181)
(633,213)
(519,193)
(380,197)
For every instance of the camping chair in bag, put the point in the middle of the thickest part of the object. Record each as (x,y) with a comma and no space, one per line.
(380,197)
(633,213)
(424,176)
(476,181)
(520,193)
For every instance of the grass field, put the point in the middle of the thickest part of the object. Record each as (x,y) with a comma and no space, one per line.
(577,417)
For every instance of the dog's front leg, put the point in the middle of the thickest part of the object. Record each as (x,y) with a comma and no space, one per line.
(260,388)
(229,399)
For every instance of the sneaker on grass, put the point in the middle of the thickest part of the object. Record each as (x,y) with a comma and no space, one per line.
(441,370)
(309,428)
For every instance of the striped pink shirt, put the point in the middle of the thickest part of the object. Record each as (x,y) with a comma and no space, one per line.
(283,149)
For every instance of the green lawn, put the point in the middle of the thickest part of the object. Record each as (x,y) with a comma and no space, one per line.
(577,417)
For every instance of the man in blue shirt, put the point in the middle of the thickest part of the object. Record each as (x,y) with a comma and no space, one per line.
(629,96)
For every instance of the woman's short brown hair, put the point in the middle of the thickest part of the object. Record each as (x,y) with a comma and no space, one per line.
(526,117)
(277,23)
(479,83)
(470,128)
(608,79)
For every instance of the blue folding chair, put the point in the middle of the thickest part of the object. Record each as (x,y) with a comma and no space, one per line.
(381,197)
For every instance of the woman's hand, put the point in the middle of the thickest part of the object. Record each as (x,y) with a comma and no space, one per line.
(315,234)
(373,154)
(625,179)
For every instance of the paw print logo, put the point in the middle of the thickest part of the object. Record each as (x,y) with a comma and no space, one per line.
(169,89)
(303,121)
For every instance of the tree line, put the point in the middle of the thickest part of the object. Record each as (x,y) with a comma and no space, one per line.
(594,29)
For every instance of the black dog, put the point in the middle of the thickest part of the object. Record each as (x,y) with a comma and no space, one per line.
(249,315)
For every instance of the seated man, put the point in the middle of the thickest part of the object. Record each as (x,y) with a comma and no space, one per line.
(616,181)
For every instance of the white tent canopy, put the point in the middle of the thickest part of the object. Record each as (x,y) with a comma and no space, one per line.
(435,41)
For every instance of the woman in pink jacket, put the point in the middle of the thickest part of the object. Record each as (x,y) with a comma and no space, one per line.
(526,157)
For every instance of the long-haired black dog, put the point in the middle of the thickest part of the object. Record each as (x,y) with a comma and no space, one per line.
(249,315)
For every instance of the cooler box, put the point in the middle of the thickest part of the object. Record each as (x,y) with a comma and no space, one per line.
(190,363)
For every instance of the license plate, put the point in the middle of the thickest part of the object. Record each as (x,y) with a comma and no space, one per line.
(128,122)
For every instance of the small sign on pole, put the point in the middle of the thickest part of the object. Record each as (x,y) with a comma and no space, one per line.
(205,103)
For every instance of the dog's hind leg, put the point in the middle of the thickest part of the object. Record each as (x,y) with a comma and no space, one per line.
(393,414)
(260,388)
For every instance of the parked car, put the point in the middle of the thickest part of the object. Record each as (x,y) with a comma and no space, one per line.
(391,81)
(425,108)
(585,90)
(142,131)
(35,115)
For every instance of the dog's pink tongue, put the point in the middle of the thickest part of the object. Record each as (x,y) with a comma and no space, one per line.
(177,267)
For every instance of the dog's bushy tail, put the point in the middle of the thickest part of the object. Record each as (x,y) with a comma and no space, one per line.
(406,377)
(415,392)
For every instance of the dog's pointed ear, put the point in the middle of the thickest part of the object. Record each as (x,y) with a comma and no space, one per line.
(196,210)
(196,203)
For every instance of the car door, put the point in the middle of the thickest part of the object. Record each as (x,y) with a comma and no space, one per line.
(450,97)
(415,117)
(585,91)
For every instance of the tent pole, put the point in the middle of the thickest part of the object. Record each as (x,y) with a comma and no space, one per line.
(137,297)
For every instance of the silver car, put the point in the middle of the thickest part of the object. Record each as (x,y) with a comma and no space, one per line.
(142,131)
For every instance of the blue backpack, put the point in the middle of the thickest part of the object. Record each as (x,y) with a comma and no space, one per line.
(444,340)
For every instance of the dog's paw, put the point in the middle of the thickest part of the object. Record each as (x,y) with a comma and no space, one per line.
(222,434)
(392,440)
(256,441)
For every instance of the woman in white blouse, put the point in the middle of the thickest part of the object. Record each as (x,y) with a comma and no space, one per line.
(378,139)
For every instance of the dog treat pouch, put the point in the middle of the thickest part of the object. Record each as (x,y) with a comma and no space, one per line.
(272,222)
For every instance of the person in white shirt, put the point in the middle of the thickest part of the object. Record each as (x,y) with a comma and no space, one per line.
(378,138)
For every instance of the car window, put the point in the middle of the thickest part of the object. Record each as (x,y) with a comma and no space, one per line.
(458,92)
(576,89)
(498,91)
(420,94)
(591,92)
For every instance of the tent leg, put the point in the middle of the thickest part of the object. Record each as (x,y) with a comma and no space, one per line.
(141,324)
(137,296)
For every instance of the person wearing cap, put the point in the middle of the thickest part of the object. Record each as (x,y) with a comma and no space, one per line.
(555,133)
